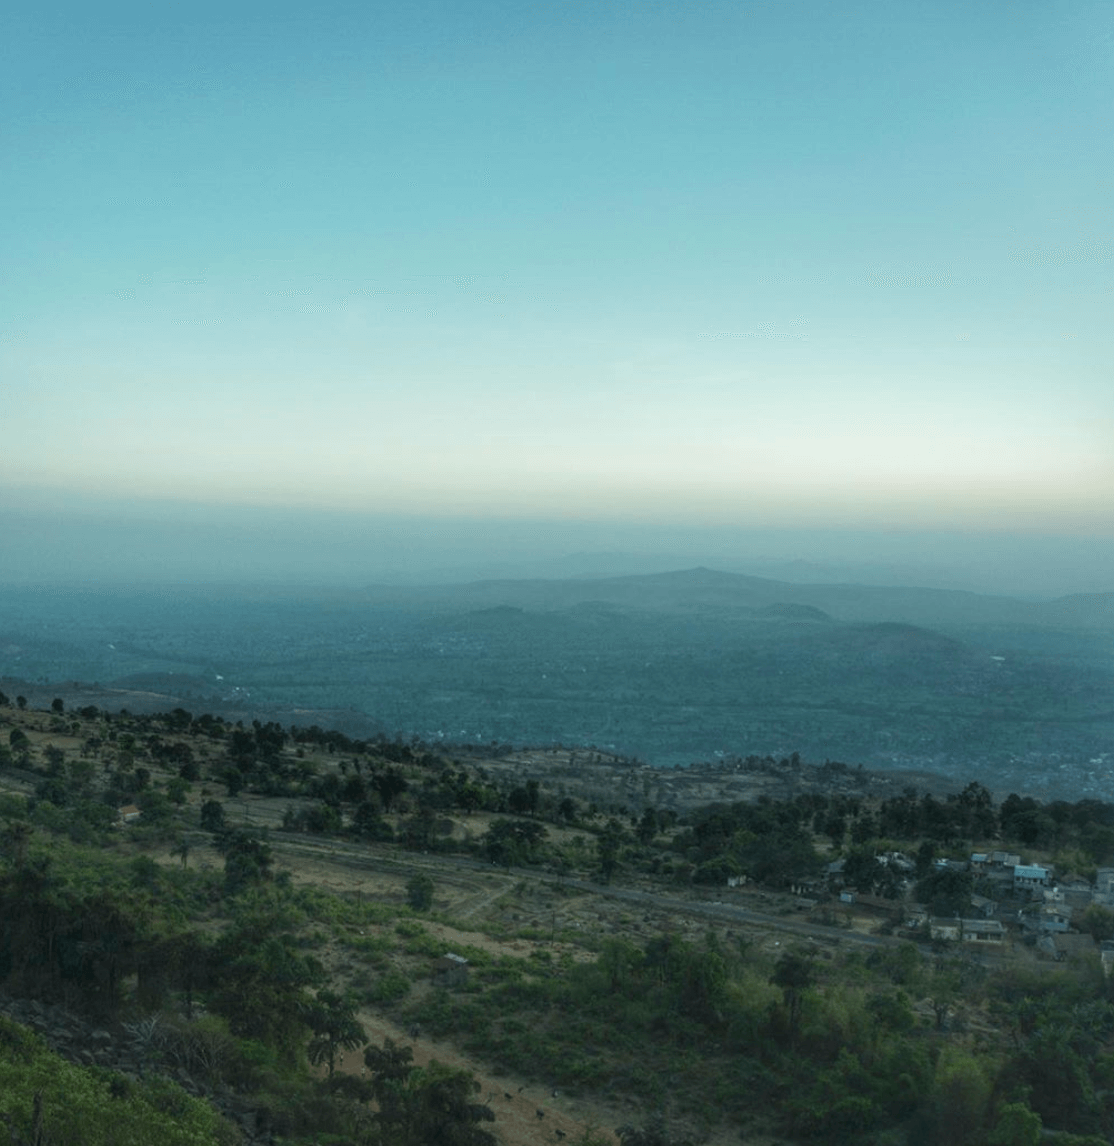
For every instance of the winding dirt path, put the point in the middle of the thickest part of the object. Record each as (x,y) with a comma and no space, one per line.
(515,1104)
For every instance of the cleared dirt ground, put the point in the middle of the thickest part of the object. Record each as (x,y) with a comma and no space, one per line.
(495,899)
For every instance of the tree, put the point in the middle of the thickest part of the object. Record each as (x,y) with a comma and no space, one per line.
(183,848)
(247,860)
(946,892)
(1017,1125)
(212,816)
(961,1097)
(16,839)
(177,789)
(618,959)
(367,822)
(513,841)
(566,809)
(263,980)
(390,1067)
(865,872)
(945,987)
(864,827)
(189,769)
(55,790)
(834,826)
(607,848)
(518,801)
(702,980)
(58,705)
(794,973)
(389,784)
(647,827)
(335,1028)
(1099,921)
(157,809)
(419,892)
(423,1107)
(976,812)
(469,797)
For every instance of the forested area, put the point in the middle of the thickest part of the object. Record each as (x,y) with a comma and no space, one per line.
(230,973)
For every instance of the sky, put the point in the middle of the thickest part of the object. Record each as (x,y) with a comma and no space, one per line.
(717,265)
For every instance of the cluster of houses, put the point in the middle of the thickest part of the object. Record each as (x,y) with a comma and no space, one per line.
(1023,899)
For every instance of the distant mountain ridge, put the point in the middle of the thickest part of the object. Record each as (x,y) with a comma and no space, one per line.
(701,588)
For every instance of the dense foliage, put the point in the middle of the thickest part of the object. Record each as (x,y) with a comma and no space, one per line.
(814,1041)
(44,1099)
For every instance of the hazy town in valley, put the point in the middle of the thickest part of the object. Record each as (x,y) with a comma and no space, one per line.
(556,575)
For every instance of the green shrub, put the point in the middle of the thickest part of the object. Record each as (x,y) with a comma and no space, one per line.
(419,892)
(388,988)
(44,1098)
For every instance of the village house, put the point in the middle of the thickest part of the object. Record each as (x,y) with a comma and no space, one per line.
(1106,954)
(998,881)
(1076,893)
(808,888)
(899,861)
(946,929)
(1049,917)
(1031,877)
(983,931)
(1103,893)
(450,970)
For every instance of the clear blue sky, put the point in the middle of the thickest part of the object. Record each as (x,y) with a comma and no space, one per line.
(802,264)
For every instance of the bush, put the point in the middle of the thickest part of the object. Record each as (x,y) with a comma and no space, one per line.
(388,988)
(212,816)
(419,892)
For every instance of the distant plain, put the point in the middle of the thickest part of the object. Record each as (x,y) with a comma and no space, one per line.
(672,668)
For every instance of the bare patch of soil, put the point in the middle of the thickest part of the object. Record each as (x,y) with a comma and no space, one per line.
(515,1103)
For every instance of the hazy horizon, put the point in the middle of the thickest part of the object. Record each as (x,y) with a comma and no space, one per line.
(54,541)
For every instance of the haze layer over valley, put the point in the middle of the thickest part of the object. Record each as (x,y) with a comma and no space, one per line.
(672,668)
